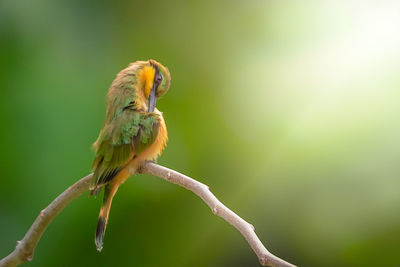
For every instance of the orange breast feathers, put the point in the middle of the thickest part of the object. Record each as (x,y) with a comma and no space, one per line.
(154,150)
(150,153)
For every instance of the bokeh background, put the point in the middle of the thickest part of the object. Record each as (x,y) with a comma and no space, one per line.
(288,110)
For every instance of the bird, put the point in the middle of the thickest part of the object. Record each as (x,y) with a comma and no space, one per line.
(133,132)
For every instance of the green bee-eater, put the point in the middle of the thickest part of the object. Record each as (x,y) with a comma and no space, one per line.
(133,131)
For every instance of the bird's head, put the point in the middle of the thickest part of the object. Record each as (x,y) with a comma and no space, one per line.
(155,80)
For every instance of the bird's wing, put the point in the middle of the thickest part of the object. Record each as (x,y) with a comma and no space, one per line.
(125,137)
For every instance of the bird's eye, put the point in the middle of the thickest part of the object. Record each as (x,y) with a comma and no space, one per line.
(159,78)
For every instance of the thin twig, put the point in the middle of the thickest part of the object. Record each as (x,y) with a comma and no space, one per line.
(25,248)
(247,230)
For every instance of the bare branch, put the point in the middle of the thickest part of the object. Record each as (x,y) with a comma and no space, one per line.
(25,248)
(203,191)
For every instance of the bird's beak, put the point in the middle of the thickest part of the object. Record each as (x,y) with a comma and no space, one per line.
(152,98)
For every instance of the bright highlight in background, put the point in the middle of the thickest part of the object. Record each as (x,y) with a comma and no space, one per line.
(338,53)
(321,97)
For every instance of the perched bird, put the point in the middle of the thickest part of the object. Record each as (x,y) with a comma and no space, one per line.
(133,132)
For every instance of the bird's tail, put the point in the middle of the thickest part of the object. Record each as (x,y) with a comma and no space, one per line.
(109,193)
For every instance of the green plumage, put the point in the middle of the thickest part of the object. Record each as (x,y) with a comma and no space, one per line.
(129,133)
(126,131)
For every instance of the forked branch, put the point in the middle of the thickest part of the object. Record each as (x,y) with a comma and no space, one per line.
(25,248)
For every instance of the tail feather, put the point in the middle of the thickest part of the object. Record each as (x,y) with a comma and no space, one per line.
(100,231)
(109,192)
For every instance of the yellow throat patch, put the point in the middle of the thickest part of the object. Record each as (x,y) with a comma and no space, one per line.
(146,77)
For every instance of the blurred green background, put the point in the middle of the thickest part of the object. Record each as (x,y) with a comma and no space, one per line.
(288,110)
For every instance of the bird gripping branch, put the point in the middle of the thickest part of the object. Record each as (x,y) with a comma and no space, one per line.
(133,132)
